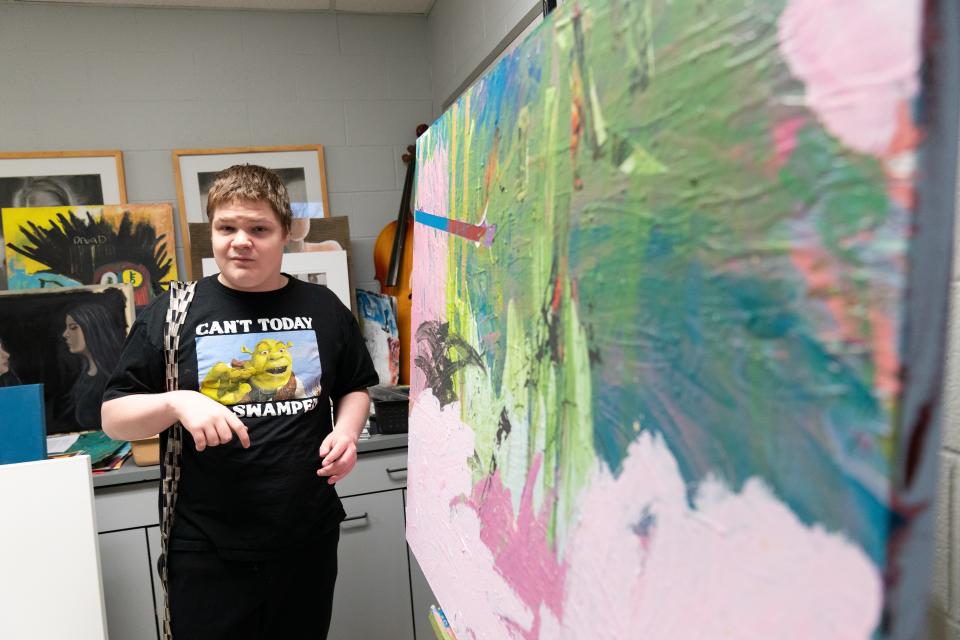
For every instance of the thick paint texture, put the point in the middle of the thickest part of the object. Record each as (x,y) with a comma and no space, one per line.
(858,61)
(641,556)
(669,381)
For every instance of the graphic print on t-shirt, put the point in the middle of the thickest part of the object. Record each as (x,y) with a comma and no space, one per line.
(259,373)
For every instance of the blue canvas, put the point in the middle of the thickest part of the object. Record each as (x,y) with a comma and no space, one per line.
(22,430)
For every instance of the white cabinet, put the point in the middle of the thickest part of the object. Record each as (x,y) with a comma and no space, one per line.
(153,542)
(421,596)
(372,598)
(127,585)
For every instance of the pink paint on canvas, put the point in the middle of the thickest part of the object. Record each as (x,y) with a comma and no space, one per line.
(430,252)
(785,139)
(444,530)
(859,60)
(524,557)
(733,564)
(742,561)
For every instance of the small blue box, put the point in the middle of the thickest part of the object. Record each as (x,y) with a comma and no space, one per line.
(23,433)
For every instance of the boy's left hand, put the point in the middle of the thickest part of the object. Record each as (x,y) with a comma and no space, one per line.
(338,456)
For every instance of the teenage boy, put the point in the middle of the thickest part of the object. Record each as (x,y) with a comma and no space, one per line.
(253,548)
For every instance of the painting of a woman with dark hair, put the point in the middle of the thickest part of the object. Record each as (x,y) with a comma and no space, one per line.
(68,339)
(91,333)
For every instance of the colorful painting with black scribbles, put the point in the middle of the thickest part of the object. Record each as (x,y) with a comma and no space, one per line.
(65,246)
(680,288)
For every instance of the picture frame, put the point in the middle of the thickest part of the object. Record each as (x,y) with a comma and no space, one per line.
(65,246)
(51,336)
(328,268)
(377,313)
(301,167)
(52,178)
(87,177)
(322,234)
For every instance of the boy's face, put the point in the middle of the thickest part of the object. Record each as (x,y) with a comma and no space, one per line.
(248,242)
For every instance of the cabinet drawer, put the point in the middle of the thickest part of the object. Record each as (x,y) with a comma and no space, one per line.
(376,471)
(127,506)
(128,595)
(372,598)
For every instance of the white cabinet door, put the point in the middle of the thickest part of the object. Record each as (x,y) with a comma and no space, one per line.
(153,540)
(127,586)
(372,597)
(422,599)
(421,595)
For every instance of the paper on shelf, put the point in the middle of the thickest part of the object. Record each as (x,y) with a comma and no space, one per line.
(60,443)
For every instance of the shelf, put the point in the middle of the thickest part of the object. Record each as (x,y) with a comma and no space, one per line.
(130,473)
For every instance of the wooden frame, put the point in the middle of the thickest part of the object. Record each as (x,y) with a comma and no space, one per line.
(106,163)
(69,245)
(39,178)
(330,266)
(318,238)
(189,164)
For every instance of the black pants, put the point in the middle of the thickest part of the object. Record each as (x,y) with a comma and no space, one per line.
(291,598)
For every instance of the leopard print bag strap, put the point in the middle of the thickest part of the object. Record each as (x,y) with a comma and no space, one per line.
(181,294)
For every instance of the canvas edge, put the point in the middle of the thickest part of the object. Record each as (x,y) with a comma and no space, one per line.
(919,424)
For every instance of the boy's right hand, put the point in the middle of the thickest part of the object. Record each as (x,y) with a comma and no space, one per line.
(209,422)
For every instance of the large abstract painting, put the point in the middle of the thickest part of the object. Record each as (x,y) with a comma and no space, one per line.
(680,287)
(66,246)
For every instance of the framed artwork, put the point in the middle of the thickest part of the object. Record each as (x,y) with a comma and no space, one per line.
(680,293)
(315,235)
(52,178)
(66,246)
(301,168)
(328,268)
(69,340)
(378,323)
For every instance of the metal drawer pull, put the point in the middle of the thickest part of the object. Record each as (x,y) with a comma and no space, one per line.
(362,516)
(396,470)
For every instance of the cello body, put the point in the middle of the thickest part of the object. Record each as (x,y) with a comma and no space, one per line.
(382,251)
(393,260)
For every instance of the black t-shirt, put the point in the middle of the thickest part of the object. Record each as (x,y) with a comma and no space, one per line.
(277,359)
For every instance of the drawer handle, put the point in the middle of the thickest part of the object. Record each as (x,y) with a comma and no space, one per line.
(396,470)
(362,516)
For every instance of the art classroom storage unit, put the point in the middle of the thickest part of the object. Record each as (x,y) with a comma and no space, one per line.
(380,591)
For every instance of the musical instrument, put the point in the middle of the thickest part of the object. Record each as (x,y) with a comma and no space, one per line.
(393,260)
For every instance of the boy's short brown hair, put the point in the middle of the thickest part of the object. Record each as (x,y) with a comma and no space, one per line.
(251,183)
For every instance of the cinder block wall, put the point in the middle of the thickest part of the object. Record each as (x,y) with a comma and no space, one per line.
(945,601)
(463,33)
(147,81)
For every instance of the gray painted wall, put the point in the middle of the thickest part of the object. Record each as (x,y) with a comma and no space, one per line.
(463,34)
(147,81)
